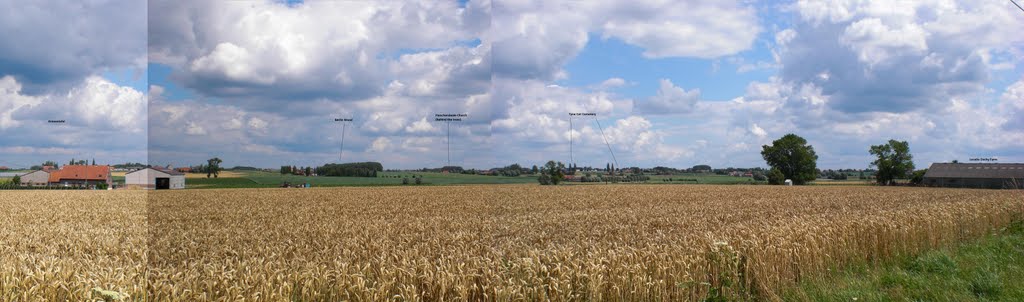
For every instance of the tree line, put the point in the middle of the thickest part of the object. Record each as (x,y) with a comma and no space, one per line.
(363,169)
(792,158)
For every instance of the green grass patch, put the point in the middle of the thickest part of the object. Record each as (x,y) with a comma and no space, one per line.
(990,269)
(225,182)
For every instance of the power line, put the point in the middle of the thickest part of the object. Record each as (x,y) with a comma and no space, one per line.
(1018,5)
(449,141)
(342,152)
(571,159)
(344,125)
(606,141)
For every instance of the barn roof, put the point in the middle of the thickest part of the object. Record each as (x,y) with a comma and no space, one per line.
(159,169)
(79,172)
(168,171)
(972,170)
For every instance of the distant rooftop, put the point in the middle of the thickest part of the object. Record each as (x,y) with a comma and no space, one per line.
(976,170)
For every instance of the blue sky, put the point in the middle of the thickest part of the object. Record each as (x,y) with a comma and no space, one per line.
(90,72)
(673,84)
(159,74)
(602,59)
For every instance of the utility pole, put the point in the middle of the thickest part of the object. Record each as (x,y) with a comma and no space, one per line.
(448,118)
(344,124)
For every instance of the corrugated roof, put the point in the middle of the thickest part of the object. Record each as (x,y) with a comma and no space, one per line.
(77,172)
(159,169)
(168,171)
(971,170)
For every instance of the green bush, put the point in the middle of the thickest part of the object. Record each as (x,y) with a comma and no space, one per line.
(775,177)
(544,180)
(918,177)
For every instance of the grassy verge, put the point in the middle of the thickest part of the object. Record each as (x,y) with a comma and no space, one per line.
(991,269)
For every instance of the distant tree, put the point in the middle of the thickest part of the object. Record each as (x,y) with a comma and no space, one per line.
(213,167)
(758,176)
(554,173)
(956,161)
(893,161)
(286,169)
(793,157)
(775,177)
(363,169)
(309,171)
(918,177)
(16,180)
(48,163)
(534,170)
(419,180)
(93,161)
(862,175)
(405,180)
(544,179)
(72,161)
(701,168)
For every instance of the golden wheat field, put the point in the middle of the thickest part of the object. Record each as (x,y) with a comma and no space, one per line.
(59,245)
(504,243)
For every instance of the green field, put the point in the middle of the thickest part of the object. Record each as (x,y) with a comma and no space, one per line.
(254,179)
(6,179)
(271,180)
(990,269)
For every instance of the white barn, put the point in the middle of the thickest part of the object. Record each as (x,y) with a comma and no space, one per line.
(155,178)
(35,178)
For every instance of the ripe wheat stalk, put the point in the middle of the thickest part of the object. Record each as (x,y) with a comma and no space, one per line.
(489,243)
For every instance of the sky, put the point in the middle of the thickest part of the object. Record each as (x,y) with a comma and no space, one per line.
(672,83)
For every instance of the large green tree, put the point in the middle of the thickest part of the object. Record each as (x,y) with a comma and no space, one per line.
(213,167)
(792,156)
(553,173)
(893,160)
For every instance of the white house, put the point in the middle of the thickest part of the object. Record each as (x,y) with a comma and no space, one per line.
(155,178)
(35,178)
